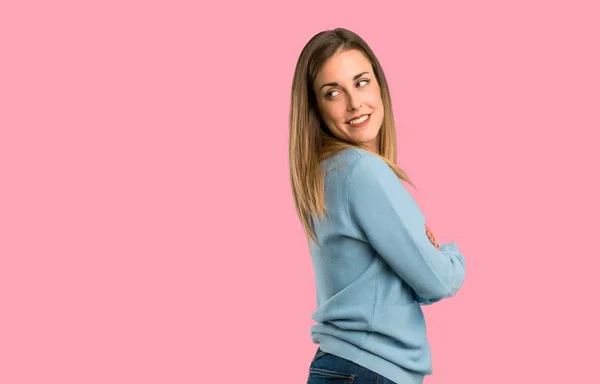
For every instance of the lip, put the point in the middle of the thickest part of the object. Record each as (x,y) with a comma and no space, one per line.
(356,117)
(361,124)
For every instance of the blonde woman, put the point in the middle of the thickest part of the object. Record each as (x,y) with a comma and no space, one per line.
(375,260)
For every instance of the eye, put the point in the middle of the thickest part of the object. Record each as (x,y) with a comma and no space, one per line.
(366,81)
(329,94)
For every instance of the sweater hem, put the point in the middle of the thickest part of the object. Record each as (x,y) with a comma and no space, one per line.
(367,360)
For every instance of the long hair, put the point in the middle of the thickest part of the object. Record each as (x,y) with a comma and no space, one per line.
(310,142)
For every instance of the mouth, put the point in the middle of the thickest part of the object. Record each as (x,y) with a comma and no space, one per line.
(359,121)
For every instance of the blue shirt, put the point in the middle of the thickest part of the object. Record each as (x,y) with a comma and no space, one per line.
(375,267)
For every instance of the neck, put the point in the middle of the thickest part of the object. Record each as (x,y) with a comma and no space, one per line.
(373,146)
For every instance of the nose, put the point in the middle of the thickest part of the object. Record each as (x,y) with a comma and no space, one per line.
(354,101)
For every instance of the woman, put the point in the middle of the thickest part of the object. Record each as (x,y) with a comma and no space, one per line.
(374,258)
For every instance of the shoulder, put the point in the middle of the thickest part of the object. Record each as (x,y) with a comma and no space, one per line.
(360,171)
(372,178)
(354,160)
(369,167)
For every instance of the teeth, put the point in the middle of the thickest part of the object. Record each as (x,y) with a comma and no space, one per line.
(359,120)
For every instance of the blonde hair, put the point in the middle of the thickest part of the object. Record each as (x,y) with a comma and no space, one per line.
(310,142)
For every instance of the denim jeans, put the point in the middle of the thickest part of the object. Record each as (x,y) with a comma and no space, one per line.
(326,368)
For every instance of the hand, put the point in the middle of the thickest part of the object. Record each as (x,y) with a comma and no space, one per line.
(431,237)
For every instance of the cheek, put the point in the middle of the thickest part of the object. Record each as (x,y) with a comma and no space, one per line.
(374,98)
(332,114)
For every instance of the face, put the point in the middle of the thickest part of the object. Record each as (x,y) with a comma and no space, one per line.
(349,98)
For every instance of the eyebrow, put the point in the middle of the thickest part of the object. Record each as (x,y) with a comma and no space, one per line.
(334,84)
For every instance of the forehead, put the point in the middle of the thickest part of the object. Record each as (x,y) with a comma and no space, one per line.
(343,67)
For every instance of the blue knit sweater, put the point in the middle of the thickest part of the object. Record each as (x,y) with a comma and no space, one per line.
(375,267)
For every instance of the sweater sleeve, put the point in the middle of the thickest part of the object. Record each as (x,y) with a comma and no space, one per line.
(384,211)
(453,253)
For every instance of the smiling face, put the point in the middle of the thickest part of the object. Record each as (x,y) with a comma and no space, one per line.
(349,98)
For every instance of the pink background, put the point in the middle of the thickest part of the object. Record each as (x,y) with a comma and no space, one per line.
(147,229)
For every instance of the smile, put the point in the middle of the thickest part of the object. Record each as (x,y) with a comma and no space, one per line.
(364,119)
